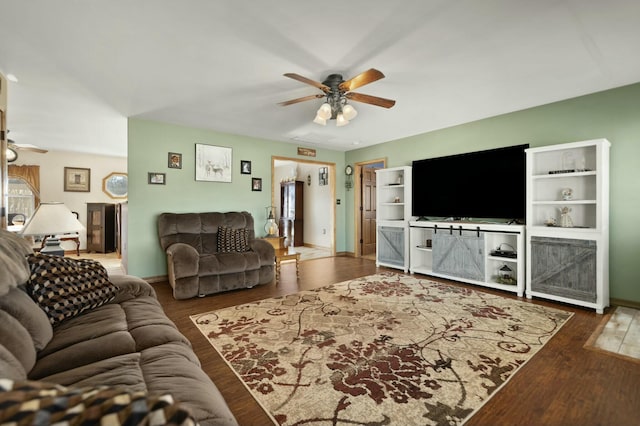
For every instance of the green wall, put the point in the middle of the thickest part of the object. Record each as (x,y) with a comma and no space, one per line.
(150,142)
(613,114)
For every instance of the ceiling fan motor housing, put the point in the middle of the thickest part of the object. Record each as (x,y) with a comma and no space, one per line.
(335,97)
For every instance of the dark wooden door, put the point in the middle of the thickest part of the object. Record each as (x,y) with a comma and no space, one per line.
(368,211)
(292,217)
(101,230)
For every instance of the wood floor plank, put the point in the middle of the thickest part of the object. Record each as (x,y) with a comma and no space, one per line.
(564,384)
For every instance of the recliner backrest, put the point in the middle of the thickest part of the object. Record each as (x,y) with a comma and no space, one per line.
(200,230)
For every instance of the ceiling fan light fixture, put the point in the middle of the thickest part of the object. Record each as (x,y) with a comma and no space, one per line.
(325,111)
(349,112)
(12,155)
(341,121)
(320,120)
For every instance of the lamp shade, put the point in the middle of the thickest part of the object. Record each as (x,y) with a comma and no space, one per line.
(51,219)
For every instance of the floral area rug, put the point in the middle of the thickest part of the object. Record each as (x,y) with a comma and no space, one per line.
(379,350)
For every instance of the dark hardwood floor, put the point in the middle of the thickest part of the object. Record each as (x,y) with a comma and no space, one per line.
(564,384)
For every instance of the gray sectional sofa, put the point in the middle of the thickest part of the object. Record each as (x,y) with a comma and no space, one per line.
(124,342)
(213,252)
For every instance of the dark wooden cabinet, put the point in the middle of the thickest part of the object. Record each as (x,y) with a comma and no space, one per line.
(101,227)
(292,217)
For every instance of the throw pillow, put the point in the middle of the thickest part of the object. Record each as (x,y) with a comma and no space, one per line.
(232,240)
(28,403)
(65,287)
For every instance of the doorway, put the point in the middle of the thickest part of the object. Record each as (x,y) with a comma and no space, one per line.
(365,207)
(319,210)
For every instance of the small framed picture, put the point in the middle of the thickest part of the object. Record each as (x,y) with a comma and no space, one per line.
(77,179)
(154,178)
(256,184)
(175,160)
(323,178)
(245,167)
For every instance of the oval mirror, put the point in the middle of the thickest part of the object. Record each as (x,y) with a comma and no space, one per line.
(115,185)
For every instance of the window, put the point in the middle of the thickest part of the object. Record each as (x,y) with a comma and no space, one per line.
(21,199)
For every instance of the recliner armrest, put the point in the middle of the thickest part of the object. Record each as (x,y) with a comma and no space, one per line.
(183,261)
(265,251)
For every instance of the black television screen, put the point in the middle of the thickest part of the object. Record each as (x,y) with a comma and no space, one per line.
(484,184)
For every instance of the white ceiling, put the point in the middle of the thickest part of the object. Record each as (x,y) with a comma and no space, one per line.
(85,66)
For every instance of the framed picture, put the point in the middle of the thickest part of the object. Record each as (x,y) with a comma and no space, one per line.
(154,178)
(256,184)
(323,176)
(213,163)
(174,160)
(77,179)
(245,167)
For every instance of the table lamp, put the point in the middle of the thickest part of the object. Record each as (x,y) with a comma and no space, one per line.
(51,219)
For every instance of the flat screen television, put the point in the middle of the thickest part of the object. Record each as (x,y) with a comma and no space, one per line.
(483,184)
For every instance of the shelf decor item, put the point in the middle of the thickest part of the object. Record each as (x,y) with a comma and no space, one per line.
(565,217)
(567,194)
(505,275)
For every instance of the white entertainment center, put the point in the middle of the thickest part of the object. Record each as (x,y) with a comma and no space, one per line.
(476,253)
(561,254)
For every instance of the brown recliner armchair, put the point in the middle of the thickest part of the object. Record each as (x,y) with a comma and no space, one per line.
(213,252)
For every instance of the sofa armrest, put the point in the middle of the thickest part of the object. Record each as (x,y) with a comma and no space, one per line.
(183,261)
(130,287)
(265,251)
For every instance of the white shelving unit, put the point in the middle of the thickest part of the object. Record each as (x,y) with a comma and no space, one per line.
(393,212)
(567,260)
(465,251)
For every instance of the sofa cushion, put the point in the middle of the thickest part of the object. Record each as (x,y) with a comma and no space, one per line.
(19,305)
(10,367)
(17,341)
(65,287)
(14,269)
(232,240)
(238,262)
(28,402)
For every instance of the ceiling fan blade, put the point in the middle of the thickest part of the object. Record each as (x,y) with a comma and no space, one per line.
(306,80)
(361,79)
(302,99)
(373,100)
(27,147)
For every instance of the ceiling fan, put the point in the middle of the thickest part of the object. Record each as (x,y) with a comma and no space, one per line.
(337,91)
(13,148)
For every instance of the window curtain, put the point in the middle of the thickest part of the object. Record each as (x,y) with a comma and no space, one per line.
(31,175)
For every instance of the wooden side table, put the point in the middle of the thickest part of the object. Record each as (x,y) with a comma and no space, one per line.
(283,254)
(276,242)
